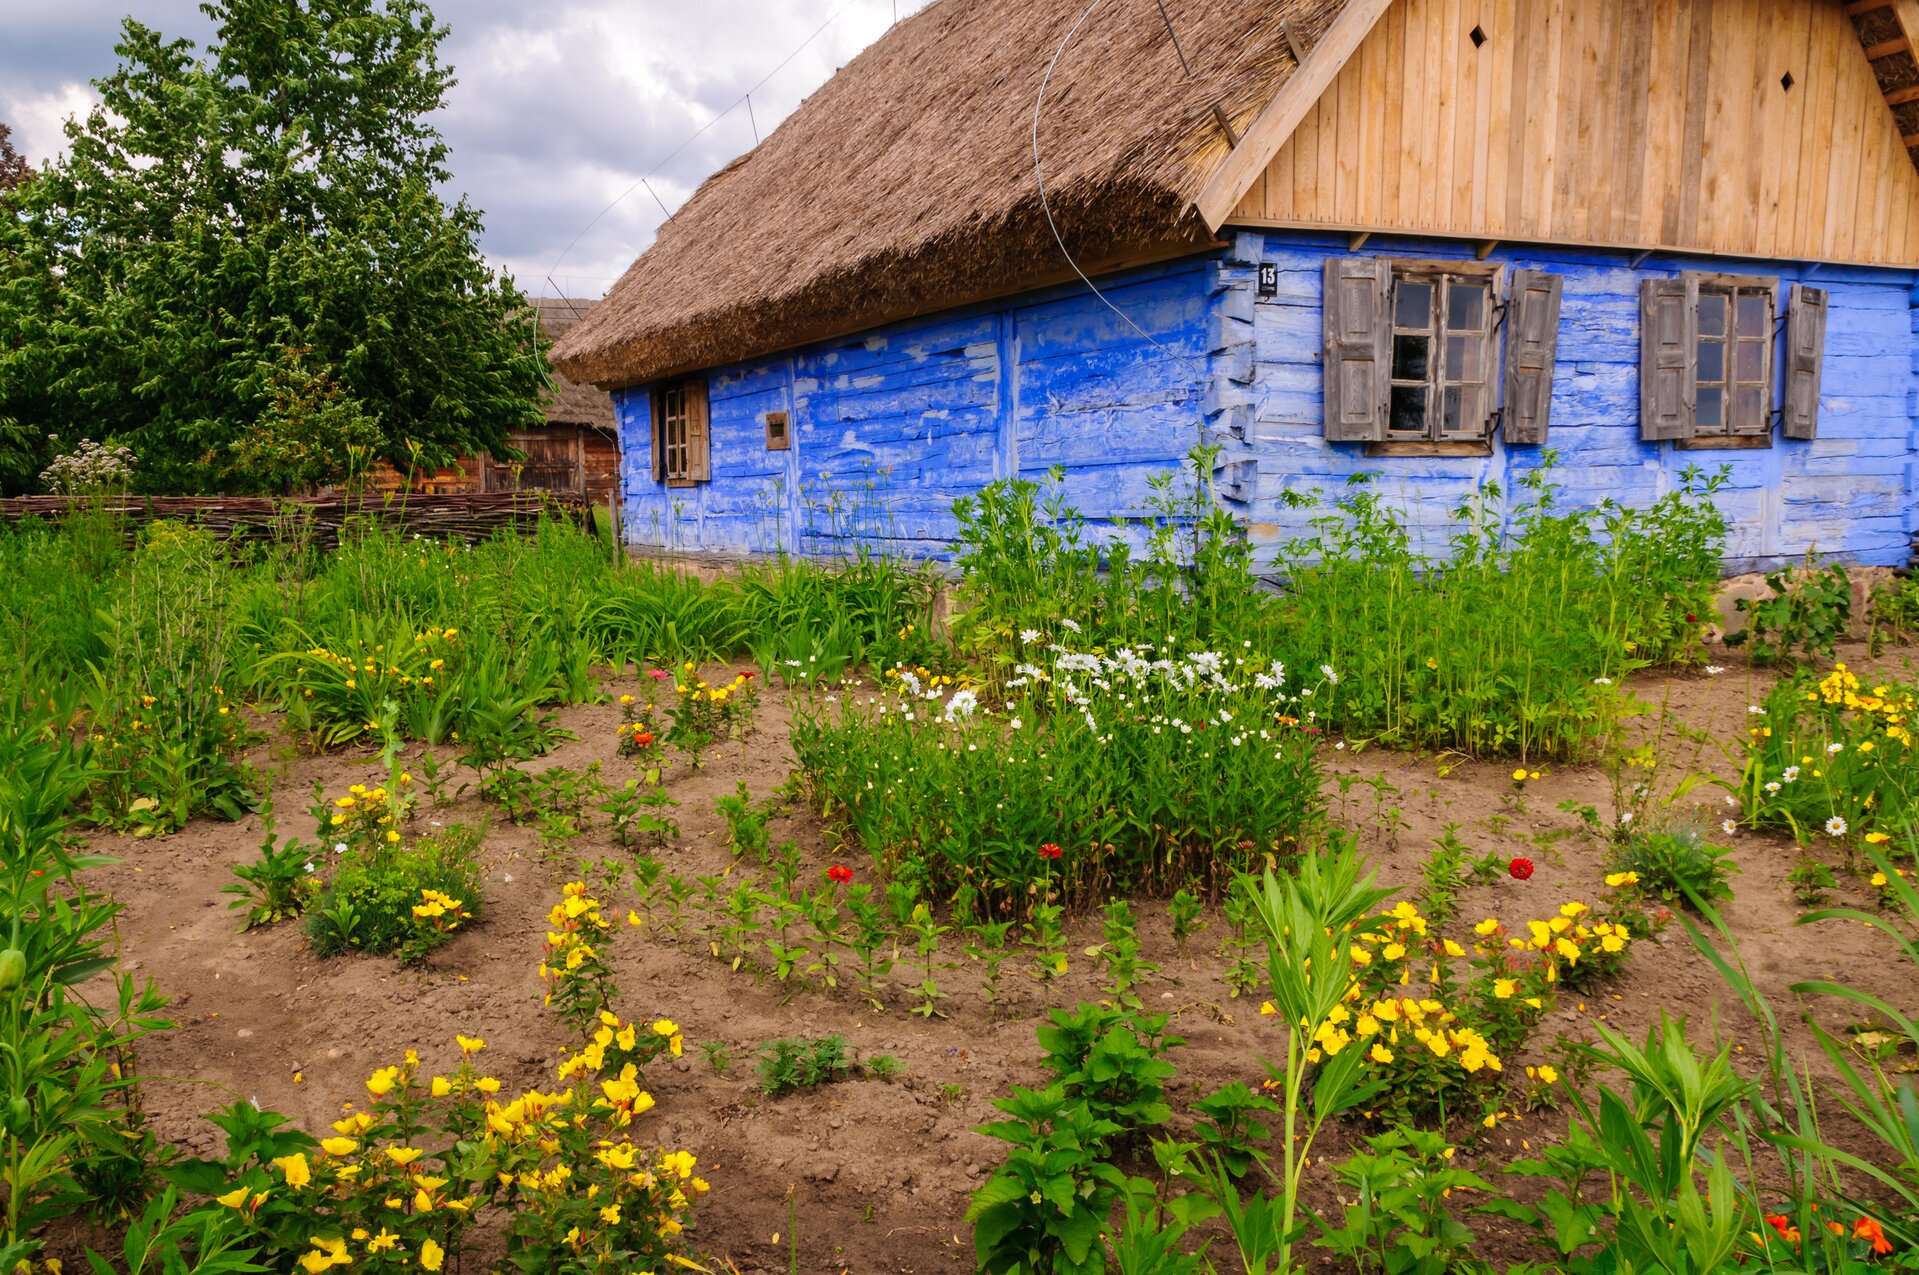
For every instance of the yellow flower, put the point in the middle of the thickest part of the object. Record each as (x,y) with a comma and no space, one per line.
(1878,880)
(234,1199)
(610,1214)
(1519,776)
(440,1086)
(403,1156)
(1548,1075)
(338,1146)
(431,1255)
(1486,927)
(1503,988)
(1877,838)
(381,1081)
(1617,879)
(1392,951)
(1381,1054)
(295,1168)
(469,1045)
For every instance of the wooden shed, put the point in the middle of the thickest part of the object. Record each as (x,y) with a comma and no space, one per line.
(1434,240)
(575,453)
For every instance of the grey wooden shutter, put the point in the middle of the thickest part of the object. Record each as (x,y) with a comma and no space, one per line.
(659,435)
(1805,356)
(1358,344)
(1668,353)
(699,460)
(1532,347)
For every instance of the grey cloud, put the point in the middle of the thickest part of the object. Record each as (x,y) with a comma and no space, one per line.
(560,106)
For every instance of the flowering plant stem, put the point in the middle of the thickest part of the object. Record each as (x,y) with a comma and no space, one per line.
(1309,969)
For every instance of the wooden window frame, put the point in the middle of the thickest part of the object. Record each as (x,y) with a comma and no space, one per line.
(1728,290)
(779,432)
(1436,383)
(681,434)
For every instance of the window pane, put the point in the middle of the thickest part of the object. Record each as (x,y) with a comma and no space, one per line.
(1463,358)
(1712,414)
(1409,409)
(1412,304)
(1750,362)
(1752,314)
(1411,356)
(1712,315)
(1748,412)
(1462,410)
(1466,306)
(1712,361)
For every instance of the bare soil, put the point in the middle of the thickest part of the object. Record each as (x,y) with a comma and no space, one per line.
(879,1172)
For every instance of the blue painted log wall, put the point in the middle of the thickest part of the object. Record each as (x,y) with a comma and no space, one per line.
(1848,493)
(891,426)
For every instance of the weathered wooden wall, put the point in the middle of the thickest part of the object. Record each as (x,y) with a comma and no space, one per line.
(890,428)
(1637,123)
(1850,492)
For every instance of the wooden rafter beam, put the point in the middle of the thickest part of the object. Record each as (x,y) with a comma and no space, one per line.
(1275,123)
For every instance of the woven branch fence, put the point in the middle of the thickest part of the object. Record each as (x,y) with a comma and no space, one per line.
(468,516)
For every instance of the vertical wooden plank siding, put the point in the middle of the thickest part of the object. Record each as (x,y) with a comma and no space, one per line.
(1635,123)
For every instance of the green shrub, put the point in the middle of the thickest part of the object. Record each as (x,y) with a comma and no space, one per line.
(369,903)
(1677,863)
(802,1063)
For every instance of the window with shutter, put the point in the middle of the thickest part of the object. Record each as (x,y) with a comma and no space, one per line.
(680,449)
(1409,353)
(1706,360)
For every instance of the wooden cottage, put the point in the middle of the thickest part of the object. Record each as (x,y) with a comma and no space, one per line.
(1425,239)
(575,452)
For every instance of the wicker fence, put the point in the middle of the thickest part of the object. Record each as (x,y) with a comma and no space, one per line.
(466,516)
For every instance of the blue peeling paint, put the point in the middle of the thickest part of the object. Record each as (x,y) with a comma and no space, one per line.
(890,426)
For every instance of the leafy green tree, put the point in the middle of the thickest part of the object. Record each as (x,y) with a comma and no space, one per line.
(274,191)
(13,166)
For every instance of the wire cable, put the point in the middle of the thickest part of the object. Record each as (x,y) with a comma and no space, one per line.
(696,135)
(1039,177)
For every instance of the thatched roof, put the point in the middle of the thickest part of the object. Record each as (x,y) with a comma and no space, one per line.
(905,184)
(570,402)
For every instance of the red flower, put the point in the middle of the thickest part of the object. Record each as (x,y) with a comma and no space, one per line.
(1521,869)
(658,675)
(1050,851)
(748,674)
(839,872)
(1783,1225)
(642,738)
(1868,1229)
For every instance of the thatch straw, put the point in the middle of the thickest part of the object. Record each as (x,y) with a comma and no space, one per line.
(905,184)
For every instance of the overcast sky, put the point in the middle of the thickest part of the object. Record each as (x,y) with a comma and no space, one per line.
(561,105)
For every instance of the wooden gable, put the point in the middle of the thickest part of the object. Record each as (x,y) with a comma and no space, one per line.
(1746,127)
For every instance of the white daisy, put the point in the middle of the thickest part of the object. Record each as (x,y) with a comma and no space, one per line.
(1714,670)
(1327,671)
(1729,827)
(1835,827)
(1602,681)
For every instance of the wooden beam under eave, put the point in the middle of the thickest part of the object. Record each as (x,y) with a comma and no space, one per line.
(1243,164)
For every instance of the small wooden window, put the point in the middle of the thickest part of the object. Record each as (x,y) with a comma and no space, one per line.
(1412,367)
(1441,352)
(1706,360)
(680,449)
(777,439)
(1733,358)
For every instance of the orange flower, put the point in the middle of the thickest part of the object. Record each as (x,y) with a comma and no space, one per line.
(1868,1229)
